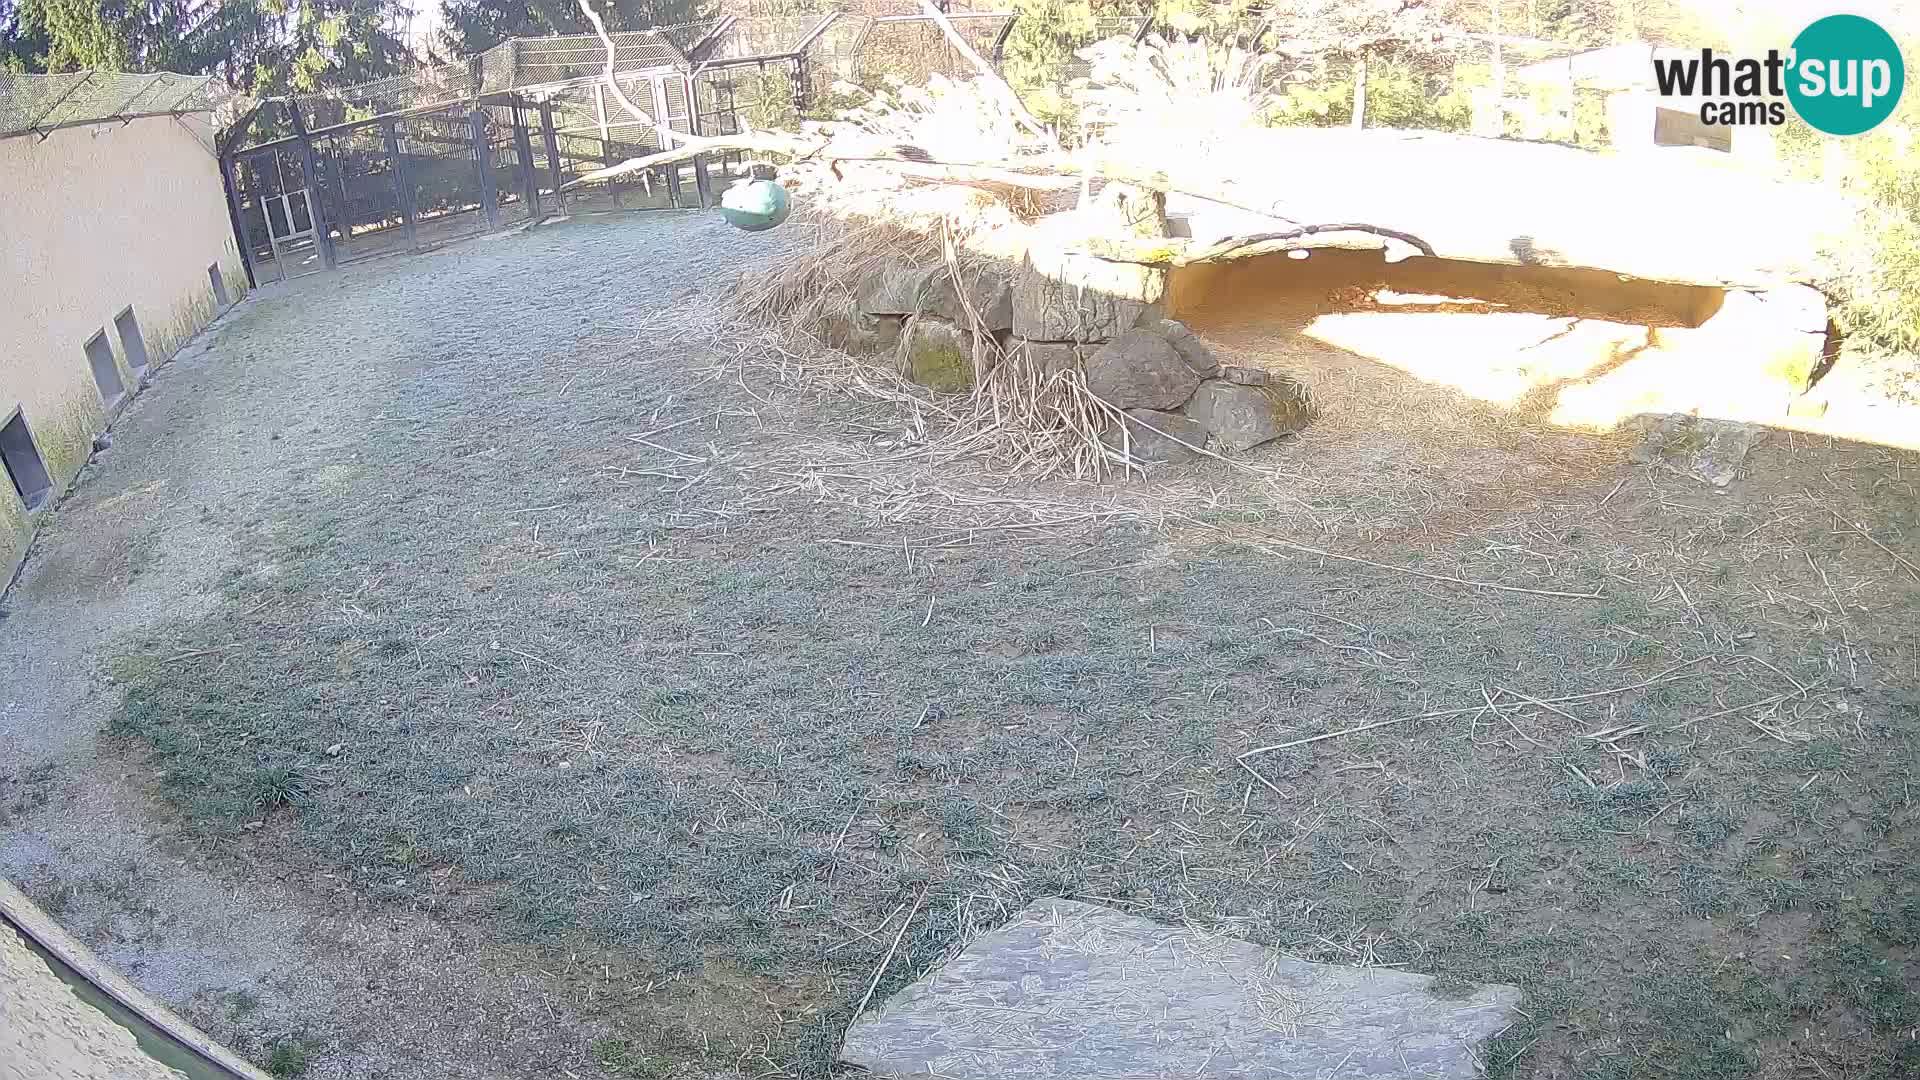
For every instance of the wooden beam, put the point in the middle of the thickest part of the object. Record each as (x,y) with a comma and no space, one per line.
(165,1037)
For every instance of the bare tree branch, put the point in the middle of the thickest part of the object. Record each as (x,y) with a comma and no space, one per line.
(765,142)
(666,133)
(1008,97)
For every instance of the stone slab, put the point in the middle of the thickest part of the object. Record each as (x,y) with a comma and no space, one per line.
(987,295)
(1710,451)
(1061,294)
(1188,344)
(1074,991)
(891,288)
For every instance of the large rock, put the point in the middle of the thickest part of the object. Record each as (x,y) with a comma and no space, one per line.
(1073,297)
(1156,437)
(891,287)
(1125,210)
(1073,991)
(986,292)
(1188,344)
(1063,294)
(864,334)
(938,355)
(1242,417)
(1778,336)
(1140,370)
(1796,307)
(1710,451)
(1049,358)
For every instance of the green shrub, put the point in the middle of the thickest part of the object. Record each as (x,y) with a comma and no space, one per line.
(1874,264)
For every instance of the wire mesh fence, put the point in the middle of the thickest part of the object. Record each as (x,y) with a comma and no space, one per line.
(408,162)
(514,65)
(36,104)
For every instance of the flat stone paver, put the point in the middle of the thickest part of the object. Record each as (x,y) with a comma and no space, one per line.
(1074,991)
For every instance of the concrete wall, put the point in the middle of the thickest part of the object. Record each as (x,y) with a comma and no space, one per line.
(93,219)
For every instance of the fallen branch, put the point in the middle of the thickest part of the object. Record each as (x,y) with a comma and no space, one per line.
(1222,248)
(765,142)
(1437,714)
(1449,579)
(965,173)
(887,962)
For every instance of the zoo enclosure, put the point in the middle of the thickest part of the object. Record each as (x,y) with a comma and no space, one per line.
(413,161)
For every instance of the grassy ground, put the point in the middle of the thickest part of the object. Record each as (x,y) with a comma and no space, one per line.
(702,683)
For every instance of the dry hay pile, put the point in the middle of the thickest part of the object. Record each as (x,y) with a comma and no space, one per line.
(1021,421)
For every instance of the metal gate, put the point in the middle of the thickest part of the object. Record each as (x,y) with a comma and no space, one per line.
(393,184)
(277,213)
(338,190)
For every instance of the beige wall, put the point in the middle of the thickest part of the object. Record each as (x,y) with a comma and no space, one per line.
(93,219)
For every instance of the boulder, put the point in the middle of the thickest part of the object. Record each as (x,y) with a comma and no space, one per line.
(1051,357)
(1807,408)
(1188,344)
(938,355)
(892,287)
(1060,293)
(1781,333)
(1073,297)
(986,291)
(1076,991)
(1242,417)
(1140,370)
(1246,376)
(1710,451)
(1156,437)
(867,335)
(1796,307)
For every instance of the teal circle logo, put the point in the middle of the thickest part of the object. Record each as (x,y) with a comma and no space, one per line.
(1847,75)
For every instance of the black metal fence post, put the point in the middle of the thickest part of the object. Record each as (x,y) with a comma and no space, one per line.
(402,183)
(523,147)
(483,161)
(317,206)
(556,174)
(230,180)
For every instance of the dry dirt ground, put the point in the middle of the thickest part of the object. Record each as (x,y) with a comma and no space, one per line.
(465,666)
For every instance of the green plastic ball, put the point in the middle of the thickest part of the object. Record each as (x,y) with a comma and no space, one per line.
(754,205)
